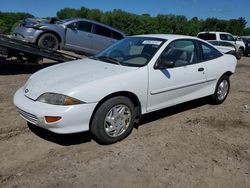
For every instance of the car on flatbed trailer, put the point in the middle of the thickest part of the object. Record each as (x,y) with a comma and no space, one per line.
(74,34)
(28,53)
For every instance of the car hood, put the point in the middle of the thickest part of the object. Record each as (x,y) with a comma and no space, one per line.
(64,77)
(225,49)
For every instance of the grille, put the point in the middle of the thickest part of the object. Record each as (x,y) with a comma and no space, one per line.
(27,116)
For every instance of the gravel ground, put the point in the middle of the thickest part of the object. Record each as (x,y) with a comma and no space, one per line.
(190,145)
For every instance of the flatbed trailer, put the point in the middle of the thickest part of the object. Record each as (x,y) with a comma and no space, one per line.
(29,53)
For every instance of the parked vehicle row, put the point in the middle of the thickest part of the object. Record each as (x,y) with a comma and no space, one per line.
(246,40)
(110,91)
(221,38)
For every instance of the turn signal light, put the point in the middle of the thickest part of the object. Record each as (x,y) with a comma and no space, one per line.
(52,119)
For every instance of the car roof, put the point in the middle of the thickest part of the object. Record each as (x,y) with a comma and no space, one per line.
(93,21)
(167,36)
(213,32)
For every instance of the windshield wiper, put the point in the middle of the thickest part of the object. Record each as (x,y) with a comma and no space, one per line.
(107,59)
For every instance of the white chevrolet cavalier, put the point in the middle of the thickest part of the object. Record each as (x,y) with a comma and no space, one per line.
(108,92)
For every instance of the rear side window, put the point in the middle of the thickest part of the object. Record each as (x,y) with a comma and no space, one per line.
(207,36)
(209,52)
(100,30)
(117,35)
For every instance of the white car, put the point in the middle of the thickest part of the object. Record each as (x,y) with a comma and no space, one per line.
(107,93)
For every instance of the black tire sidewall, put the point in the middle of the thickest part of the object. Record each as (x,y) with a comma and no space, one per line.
(97,124)
(240,53)
(43,36)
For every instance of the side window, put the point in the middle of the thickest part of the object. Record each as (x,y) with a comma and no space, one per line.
(181,52)
(82,26)
(230,38)
(117,35)
(209,52)
(100,30)
(226,37)
(223,37)
(207,36)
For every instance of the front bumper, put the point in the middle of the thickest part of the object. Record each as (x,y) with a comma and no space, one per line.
(75,118)
(26,34)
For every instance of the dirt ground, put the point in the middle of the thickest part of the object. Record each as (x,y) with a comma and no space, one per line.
(190,145)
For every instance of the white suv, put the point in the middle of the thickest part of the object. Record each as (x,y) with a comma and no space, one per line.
(223,36)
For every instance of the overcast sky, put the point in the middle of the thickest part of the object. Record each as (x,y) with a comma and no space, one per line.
(223,9)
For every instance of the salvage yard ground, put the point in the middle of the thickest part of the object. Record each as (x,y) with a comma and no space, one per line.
(190,145)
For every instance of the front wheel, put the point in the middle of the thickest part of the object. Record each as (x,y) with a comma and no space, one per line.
(48,41)
(113,120)
(240,53)
(221,90)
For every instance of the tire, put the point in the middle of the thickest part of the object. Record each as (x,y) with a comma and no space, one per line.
(221,90)
(239,53)
(113,120)
(48,41)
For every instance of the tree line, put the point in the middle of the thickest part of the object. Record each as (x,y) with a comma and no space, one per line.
(133,24)
(9,19)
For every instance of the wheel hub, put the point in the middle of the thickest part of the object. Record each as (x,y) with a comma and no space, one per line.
(117,120)
(222,90)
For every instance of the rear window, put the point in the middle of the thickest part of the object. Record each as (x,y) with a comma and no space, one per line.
(209,52)
(207,36)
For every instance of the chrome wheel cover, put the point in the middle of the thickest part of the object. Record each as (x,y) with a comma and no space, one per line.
(222,90)
(117,120)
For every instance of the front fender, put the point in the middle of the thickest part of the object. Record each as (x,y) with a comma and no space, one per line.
(57,30)
(135,82)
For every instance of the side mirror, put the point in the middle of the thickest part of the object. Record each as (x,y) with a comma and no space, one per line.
(163,64)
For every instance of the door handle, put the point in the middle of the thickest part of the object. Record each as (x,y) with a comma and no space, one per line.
(201,69)
(90,36)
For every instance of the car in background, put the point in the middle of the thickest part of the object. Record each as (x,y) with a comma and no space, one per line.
(246,40)
(108,92)
(223,36)
(225,47)
(74,34)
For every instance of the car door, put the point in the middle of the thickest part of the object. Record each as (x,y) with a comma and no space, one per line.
(102,37)
(79,37)
(184,82)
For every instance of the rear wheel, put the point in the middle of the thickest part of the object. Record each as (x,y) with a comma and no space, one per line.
(221,90)
(113,120)
(48,41)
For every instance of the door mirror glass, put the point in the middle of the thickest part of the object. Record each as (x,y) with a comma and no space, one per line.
(164,64)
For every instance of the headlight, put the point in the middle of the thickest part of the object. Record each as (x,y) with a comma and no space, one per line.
(37,25)
(248,44)
(58,99)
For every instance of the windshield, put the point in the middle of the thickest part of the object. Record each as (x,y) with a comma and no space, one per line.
(131,51)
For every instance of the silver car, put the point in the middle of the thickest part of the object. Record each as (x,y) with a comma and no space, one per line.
(78,35)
